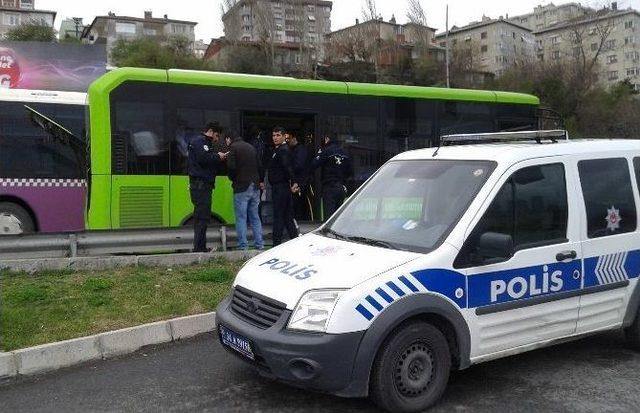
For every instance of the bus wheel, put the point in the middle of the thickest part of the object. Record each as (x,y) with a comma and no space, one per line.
(412,368)
(14,219)
(633,333)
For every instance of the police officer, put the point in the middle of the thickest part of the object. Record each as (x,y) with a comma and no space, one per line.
(282,180)
(204,164)
(336,169)
(300,159)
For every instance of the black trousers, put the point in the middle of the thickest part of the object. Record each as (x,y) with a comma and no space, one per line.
(332,197)
(282,213)
(201,193)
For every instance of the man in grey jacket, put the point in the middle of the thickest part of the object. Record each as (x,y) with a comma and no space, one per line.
(247,176)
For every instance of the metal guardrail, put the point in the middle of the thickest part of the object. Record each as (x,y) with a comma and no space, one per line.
(139,241)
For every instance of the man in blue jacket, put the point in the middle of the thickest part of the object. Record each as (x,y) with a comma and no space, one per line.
(204,164)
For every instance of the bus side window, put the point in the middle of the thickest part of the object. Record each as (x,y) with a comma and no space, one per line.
(465,117)
(140,145)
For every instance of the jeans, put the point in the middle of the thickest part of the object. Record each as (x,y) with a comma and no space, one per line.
(246,205)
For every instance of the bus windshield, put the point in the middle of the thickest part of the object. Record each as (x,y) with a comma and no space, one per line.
(410,205)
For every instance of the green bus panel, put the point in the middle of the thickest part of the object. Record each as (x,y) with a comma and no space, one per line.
(181,209)
(99,214)
(140,201)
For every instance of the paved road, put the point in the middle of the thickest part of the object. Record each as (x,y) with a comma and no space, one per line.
(597,374)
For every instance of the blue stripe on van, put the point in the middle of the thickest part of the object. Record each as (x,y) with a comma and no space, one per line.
(408,283)
(396,289)
(365,313)
(382,293)
(374,303)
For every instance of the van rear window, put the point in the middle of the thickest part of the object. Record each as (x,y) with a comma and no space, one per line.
(608,196)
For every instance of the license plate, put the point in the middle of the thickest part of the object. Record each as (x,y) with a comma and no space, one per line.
(236,342)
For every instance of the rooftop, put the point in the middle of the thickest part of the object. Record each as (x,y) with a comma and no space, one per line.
(598,16)
(483,23)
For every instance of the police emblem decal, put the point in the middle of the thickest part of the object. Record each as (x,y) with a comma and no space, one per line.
(206,148)
(613,218)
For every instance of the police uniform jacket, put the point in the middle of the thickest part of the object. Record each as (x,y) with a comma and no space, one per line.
(281,166)
(335,162)
(299,156)
(204,162)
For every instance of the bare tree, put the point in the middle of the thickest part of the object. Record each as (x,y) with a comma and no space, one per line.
(416,13)
(370,10)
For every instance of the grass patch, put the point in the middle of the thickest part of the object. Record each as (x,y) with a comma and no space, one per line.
(53,306)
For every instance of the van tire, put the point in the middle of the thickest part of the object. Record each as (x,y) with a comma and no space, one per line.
(14,218)
(412,368)
(633,333)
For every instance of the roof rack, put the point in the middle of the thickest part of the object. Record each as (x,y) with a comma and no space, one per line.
(498,137)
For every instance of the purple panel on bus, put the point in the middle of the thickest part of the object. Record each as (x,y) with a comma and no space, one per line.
(58,204)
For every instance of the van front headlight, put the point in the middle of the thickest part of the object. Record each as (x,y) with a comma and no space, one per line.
(314,310)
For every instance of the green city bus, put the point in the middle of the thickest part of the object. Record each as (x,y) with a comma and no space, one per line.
(139,119)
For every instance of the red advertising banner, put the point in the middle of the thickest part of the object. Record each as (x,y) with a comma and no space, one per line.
(50,66)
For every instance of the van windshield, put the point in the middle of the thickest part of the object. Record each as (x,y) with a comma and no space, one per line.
(410,205)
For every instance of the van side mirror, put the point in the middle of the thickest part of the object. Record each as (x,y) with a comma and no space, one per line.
(494,247)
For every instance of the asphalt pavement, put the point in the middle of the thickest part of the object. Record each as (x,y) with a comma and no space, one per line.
(597,374)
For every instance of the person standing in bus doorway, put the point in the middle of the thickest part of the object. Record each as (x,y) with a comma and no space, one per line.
(204,165)
(282,180)
(247,176)
(300,159)
(336,169)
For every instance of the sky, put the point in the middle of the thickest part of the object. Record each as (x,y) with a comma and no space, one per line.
(345,12)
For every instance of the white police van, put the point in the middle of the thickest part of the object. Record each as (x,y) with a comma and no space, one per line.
(447,258)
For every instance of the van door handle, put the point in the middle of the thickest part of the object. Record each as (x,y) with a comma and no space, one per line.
(566,255)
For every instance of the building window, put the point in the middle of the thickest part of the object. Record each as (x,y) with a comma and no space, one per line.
(555,40)
(524,20)
(26,4)
(311,8)
(610,44)
(246,28)
(246,18)
(594,47)
(628,25)
(179,29)
(246,38)
(612,59)
(634,71)
(612,75)
(125,28)
(11,19)
(150,32)
(298,58)
(629,40)
(484,48)
(467,39)
(634,56)
(555,55)
(483,35)
(9,4)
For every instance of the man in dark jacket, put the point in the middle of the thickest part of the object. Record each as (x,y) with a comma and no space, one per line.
(282,180)
(247,176)
(300,159)
(204,164)
(336,169)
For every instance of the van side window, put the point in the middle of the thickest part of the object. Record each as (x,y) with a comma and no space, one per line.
(608,196)
(530,209)
(636,165)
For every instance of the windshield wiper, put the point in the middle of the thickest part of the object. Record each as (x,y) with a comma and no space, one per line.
(333,234)
(371,241)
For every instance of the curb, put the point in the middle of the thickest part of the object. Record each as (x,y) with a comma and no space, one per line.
(53,356)
(106,263)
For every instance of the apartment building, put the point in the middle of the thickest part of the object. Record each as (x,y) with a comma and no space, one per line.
(108,29)
(490,45)
(71,28)
(13,13)
(610,34)
(386,40)
(547,15)
(289,22)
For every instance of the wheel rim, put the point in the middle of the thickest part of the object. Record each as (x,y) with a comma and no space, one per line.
(10,224)
(414,369)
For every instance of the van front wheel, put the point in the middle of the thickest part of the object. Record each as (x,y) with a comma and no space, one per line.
(412,369)
(633,333)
